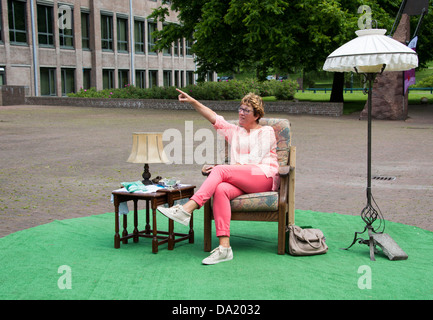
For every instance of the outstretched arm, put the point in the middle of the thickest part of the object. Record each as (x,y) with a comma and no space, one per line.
(202,109)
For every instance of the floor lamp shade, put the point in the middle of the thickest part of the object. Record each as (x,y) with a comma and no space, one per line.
(369,52)
(147,147)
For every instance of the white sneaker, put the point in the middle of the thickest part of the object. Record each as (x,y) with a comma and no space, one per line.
(218,255)
(176,213)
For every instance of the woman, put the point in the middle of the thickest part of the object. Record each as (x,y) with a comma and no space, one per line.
(253,168)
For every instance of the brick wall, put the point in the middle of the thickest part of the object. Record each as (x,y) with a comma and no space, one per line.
(290,107)
(12,95)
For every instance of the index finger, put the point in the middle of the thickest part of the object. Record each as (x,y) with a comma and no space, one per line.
(178,90)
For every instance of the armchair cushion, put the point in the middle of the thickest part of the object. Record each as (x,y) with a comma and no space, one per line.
(255,202)
(282,133)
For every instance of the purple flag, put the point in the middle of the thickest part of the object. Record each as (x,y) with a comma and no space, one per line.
(409,75)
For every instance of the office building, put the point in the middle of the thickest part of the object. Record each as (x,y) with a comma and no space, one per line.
(53,47)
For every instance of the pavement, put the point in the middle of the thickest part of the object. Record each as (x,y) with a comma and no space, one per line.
(63,162)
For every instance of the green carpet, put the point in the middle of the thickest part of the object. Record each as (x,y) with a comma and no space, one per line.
(30,261)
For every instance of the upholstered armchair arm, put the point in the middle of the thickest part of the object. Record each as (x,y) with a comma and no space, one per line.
(284,170)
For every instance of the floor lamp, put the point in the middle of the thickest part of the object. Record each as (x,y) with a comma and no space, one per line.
(370,54)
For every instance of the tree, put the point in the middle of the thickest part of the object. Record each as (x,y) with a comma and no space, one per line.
(230,34)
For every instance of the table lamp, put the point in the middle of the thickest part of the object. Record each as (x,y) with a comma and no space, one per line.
(147,147)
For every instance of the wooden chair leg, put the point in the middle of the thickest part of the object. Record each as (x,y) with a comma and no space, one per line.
(282,222)
(207,227)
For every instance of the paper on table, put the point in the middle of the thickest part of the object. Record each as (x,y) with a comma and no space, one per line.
(123,206)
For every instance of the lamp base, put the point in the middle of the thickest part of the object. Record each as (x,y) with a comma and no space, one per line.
(370,242)
(146,175)
(389,247)
(146,182)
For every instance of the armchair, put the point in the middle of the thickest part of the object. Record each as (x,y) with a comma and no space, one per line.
(266,206)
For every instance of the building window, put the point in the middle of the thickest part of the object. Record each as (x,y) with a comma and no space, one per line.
(17,21)
(45,26)
(189,77)
(176,78)
(167,78)
(68,81)
(87,78)
(66,34)
(48,81)
(139,36)
(2,76)
(181,47)
(107,32)
(188,44)
(123,78)
(176,50)
(168,51)
(85,38)
(122,35)
(140,79)
(153,78)
(107,79)
(151,40)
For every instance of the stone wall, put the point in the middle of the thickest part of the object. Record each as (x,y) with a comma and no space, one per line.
(16,95)
(12,95)
(290,107)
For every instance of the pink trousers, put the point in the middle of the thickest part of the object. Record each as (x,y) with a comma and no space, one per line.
(226,182)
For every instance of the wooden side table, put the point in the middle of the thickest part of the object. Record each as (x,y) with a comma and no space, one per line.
(153,200)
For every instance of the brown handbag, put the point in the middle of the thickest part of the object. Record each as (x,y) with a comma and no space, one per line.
(305,242)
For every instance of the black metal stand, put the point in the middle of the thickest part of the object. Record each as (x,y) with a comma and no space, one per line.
(369,214)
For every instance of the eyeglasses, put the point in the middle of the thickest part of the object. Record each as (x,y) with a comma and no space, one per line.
(244,111)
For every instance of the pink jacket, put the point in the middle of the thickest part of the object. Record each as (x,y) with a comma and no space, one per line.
(257,147)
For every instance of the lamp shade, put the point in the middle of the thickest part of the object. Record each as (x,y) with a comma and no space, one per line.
(369,52)
(147,147)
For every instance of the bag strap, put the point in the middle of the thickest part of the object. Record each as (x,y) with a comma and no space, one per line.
(318,246)
(320,240)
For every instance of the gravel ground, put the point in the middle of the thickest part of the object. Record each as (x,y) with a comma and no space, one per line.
(63,162)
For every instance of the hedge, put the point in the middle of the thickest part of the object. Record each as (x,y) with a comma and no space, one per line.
(225,90)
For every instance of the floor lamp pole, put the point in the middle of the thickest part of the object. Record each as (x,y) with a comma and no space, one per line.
(370,78)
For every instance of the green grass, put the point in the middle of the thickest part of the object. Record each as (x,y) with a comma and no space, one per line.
(74,259)
(420,75)
(353,102)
